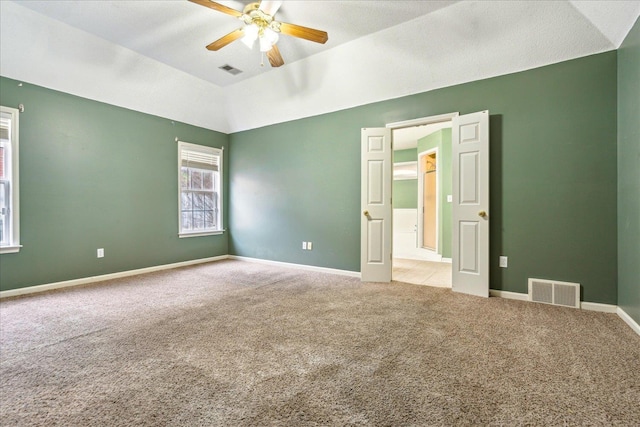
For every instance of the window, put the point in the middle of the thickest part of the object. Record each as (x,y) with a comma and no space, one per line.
(9,202)
(200,175)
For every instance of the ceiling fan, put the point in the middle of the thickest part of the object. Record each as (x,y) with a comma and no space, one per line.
(260,26)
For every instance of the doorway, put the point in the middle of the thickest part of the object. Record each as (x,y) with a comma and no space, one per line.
(422,239)
(468,198)
(429,176)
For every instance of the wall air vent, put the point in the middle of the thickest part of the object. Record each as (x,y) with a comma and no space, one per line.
(554,292)
(229,69)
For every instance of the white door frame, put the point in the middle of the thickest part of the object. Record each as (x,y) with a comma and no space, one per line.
(389,176)
(420,122)
(420,230)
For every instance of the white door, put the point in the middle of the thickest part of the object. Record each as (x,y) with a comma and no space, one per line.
(470,140)
(375,215)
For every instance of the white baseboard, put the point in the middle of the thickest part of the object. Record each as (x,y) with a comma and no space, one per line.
(298,266)
(508,295)
(628,320)
(86,280)
(596,306)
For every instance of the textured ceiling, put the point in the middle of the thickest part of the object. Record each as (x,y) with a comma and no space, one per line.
(176,32)
(150,56)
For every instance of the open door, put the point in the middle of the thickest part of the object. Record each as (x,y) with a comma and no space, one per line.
(376,216)
(470,143)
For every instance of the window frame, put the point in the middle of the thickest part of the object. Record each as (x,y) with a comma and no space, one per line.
(13,188)
(219,152)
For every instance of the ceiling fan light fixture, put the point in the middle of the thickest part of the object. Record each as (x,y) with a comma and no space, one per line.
(250,35)
(260,25)
(267,39)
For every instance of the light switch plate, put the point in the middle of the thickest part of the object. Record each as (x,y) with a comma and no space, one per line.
(309,245)
(101,253)
(503,261)
(449,198)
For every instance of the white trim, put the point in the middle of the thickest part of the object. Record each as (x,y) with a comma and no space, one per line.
(422,121)
(14,167)
(10,249)
(449,260)
(93,279)
(298,266)
(596,306)
(628,320)
(508,295)
(420,196)
(214,151)
(419,122)
(200,233)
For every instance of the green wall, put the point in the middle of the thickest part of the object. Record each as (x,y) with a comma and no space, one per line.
(97,176)
(94,175)
(553,169)
(629,174)
(442,141)
(405,191)
(408,155)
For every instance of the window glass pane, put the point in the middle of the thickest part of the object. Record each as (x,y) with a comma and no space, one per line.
(198,220)
(198,201)
(4,220)
(3,193)
(196,179)
(184,178)
(207,180)
(209,219)
(3,168)
(186,221)
(208,201)
(186,200)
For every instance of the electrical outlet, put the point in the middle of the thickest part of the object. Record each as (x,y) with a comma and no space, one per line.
(309,245)
(503,261)
(101,253)
(304,245)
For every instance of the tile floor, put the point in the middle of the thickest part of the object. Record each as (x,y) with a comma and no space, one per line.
(422,272)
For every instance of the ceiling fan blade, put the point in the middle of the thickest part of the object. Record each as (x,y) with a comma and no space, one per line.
(304,32)
(223,41)
(219,7)
(275,59)
(270,7)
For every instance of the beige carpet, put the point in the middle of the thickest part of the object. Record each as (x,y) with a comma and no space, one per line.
(238,344)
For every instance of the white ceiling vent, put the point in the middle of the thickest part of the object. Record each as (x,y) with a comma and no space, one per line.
(554,292)
(229,69)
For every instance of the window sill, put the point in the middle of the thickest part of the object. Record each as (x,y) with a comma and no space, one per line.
(199,234)
(10,249)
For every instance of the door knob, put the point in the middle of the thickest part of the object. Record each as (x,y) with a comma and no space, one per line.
(365,213)
(483,214)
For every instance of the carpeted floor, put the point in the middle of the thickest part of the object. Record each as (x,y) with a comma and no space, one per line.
(237,344)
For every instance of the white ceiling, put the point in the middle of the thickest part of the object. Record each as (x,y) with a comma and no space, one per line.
(150,56)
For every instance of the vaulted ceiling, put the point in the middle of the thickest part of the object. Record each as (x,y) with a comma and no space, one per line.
(150,56)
